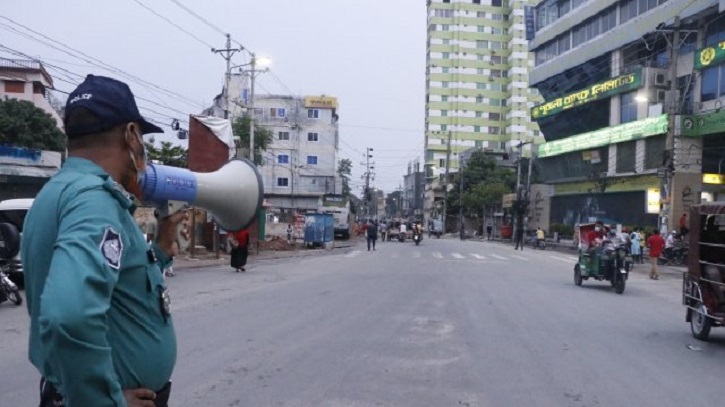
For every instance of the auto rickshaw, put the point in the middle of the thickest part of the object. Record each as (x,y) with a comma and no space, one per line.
(610,261)
(703,284)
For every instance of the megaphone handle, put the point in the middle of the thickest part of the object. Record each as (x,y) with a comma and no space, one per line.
(164,210)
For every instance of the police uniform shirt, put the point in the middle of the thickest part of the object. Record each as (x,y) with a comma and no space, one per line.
(94,289)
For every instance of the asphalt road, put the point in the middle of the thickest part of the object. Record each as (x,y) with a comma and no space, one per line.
(447,323)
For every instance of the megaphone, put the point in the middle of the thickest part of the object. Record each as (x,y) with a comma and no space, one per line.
(233,194)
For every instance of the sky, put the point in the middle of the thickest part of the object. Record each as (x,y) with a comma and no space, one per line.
(370,54)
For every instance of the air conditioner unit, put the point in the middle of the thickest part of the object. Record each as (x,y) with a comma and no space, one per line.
(661,95)
(660,79)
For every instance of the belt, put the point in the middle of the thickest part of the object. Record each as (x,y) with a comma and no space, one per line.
(50,397)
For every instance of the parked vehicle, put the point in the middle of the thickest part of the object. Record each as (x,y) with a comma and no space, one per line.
(13,211)
(703,284)
(676,255)
(435,228)
(9,248)
(609,262)
(342,218)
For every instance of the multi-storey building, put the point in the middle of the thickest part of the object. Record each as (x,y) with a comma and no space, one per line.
(477,92)
(413,190)
(300,165)
(28,80)
(625,84)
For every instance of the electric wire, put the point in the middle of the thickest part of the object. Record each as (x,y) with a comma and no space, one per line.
(182,29)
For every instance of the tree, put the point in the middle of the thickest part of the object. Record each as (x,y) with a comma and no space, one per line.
(168,154)
(22,124)
(262,137)
(480,169)
(344,170)
(483,196)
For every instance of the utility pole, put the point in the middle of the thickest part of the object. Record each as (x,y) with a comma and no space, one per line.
(445,181)
(227,54)
(253,75)
(368,167)
(461,164)
(667,216)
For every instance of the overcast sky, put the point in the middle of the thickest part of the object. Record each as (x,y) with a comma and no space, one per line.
(368,53)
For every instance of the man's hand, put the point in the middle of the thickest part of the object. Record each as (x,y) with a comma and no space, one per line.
(168,228)
(139,397)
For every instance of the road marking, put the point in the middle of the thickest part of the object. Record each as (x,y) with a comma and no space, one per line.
(561,259)
(496,256)
(457,255)
(437,255)
(352,254)
(478,256)
(519,257)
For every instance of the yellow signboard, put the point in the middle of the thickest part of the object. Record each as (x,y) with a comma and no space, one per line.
(718,179)
(320,102)
(508,200)
(653,200)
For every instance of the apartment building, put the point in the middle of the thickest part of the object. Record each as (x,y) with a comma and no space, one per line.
(631,93)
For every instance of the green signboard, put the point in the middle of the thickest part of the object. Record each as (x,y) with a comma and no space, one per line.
(610,135)
(710,56)
(611,87)
(703,124)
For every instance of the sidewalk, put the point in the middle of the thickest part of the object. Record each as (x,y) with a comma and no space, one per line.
(210,260)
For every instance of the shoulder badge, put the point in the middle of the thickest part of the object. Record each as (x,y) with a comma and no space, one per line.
(112,248)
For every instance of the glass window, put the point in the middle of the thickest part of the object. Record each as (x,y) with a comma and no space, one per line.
(477,129)
(312,160)
(313,137)
(480,85)
(481,44)
(493,130)
(444,113)
(446,55)
(283,159)
(628,108)
(626,156)
(283,135)
(496,60)
(479,114)
(313,114)
(444,98)
(282,182)
(497,3)
(444,127)
(479,99)
(481,28)
(444,84)
(654,148)
(564,43)
(564,7)
(709,88)
(494,116)
(627,10)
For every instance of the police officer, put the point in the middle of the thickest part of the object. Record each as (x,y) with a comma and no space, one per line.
(101,332)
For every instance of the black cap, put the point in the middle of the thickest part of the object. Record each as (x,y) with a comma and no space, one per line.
(110,100)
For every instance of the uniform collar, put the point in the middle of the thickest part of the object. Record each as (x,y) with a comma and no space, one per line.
(77,164)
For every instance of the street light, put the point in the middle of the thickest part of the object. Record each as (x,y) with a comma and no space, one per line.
(640,98)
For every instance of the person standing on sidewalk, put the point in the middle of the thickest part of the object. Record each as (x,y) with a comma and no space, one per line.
(240,250)
(372,235)
(519,237)
(656,244)
(635,248)
(383,231)
(489,227)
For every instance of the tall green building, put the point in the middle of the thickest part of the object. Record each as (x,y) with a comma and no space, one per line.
(477,75)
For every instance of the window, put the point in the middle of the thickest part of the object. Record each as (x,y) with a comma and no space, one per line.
(477,129)
(476,1)
(497,17)
(446,70)
(14,87)
(444,13)
(496,60)
(497,3)
(479,71)
(481,44)
(709,89)
(275,112)
(313,114)
(494,130)
(283,135)
(445,27)
(609,19)
(444,113)
(283,159)
(481,14)
(495,45)
(444,98)
(479,99)
(496,73)
(446,42)
(480,85)
(446,55)
(628,108)
(481,29)
(313,137)
(627,10)
(494,116)
(479,114)
(564,43)
(312,160)
(444,127)
(479,144)
(654,149)
(494,102)
(496,30)
(282,182)
(626,156)
(444,84)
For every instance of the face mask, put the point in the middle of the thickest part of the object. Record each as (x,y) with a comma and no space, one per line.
(140,172)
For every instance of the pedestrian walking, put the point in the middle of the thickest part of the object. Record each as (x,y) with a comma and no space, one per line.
(169,270)
(372,235)
(289,233)
(489,227)
(383,231)
(656,244)
(240,250)
(101,330)
(635,247)
(519,237)
(642,244)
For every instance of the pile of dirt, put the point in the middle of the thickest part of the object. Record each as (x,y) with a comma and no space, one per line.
(276,244)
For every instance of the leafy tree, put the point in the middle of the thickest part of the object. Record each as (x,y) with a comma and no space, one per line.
(169,154)
(344,170)
(481,169)
(22,124)
(483,196)
(262,137)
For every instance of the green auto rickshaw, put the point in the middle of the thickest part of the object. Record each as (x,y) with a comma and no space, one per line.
(605,260)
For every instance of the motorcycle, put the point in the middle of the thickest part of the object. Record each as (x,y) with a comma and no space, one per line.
(416,238)
(8,290)
(674,255)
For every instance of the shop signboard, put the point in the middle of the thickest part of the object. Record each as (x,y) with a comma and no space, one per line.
(608,88)
(710,56)
(702,124)
(611,135)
